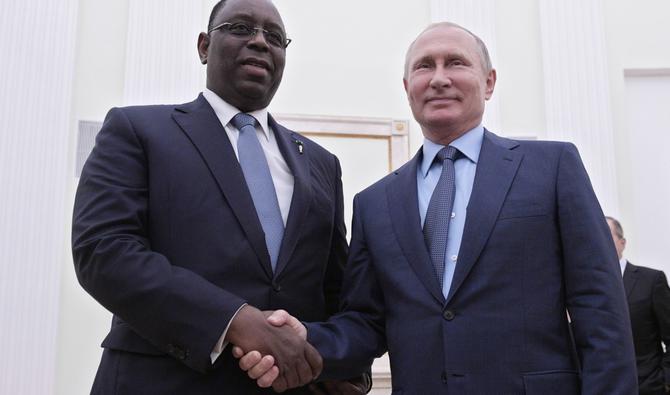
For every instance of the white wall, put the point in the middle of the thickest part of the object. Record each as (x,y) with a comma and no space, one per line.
(98,85)
(638,39)
(37,46)
(347,58)
(648,139)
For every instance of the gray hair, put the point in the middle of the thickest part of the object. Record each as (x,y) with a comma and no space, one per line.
(618,229)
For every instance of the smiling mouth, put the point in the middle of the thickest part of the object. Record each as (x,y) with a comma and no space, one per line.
(257,63)
(438,100)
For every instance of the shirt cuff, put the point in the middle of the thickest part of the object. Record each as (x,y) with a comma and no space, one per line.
(220,345)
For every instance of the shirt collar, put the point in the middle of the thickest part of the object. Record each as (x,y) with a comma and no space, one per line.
(622,263)
(225,112)
(470,144)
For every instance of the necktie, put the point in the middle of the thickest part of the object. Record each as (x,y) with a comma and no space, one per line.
(438,215)
(259,180)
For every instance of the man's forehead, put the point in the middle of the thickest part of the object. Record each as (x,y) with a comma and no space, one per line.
(250,9)
(446,35)
(446,41)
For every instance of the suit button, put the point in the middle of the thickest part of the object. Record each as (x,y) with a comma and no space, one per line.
(276,287)
(444,377)
(177,352)
(448,315)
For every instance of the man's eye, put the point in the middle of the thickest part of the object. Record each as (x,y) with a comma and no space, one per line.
(240,29)
(274,38)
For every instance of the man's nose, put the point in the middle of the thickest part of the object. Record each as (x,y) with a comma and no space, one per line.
(441,78)
(258,39)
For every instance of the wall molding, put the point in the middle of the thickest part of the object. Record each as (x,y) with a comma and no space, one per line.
(646,72)
(395,132)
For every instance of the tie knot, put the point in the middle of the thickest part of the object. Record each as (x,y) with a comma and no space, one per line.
(448,152)
(241,120)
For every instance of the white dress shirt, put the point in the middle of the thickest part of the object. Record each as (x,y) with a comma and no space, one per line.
(428,175)
(282,177)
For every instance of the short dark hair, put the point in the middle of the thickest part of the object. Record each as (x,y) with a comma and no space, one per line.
(618,229)
(215,11)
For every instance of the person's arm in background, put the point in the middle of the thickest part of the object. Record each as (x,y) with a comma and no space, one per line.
(661,305)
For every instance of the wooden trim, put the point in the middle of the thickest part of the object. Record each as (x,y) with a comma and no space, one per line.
(395,132)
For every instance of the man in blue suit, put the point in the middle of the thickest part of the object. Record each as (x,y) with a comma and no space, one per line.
(484,265)
(190,219)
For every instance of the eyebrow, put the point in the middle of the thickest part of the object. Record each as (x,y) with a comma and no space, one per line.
(423,59)
(250,18)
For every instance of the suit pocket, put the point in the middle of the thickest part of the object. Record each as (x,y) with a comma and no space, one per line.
(122,338)
(521,209)
(557,382)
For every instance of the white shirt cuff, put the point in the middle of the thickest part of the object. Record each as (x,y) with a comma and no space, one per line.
(220,345)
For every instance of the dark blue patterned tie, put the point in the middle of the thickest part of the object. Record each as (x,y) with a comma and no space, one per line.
(259,180)
(438,215)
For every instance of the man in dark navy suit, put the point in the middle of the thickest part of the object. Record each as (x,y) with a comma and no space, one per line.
(190,219)
(648,298)
(465,262)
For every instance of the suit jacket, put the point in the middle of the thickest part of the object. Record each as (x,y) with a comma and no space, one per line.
(166,237)
(649,306)
(535,244)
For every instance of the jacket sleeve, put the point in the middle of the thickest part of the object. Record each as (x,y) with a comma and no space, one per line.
(175,309)
(661,306)
(594,291)
(350,340)
(339,248)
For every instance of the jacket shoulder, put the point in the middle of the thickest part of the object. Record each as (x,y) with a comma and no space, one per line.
(646,271)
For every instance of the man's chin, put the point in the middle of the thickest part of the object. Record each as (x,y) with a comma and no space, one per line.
(253,97)
(443,118)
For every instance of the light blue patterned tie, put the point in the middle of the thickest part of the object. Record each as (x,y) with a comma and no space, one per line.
(438,215)
(259,180)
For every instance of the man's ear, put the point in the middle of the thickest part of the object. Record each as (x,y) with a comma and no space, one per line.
(490,83)
(404,83)
(203,47)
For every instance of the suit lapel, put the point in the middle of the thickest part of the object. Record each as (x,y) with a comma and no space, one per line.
(496,169)
(629,279)
(199,122)
(302,192)
(404,213)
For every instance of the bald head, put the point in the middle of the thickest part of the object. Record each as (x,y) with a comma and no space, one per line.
(483,51)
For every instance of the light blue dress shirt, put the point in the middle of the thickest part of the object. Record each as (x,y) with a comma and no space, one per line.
(428,173)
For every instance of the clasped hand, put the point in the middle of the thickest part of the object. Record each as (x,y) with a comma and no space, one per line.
(262,367)
(278,353)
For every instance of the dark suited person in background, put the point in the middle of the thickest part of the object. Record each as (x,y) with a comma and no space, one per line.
(190,219)
(464,261)
(648,298)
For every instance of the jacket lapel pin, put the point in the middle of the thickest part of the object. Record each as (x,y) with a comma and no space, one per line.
(300,145)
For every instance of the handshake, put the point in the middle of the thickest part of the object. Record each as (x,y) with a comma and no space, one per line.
(273,350)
